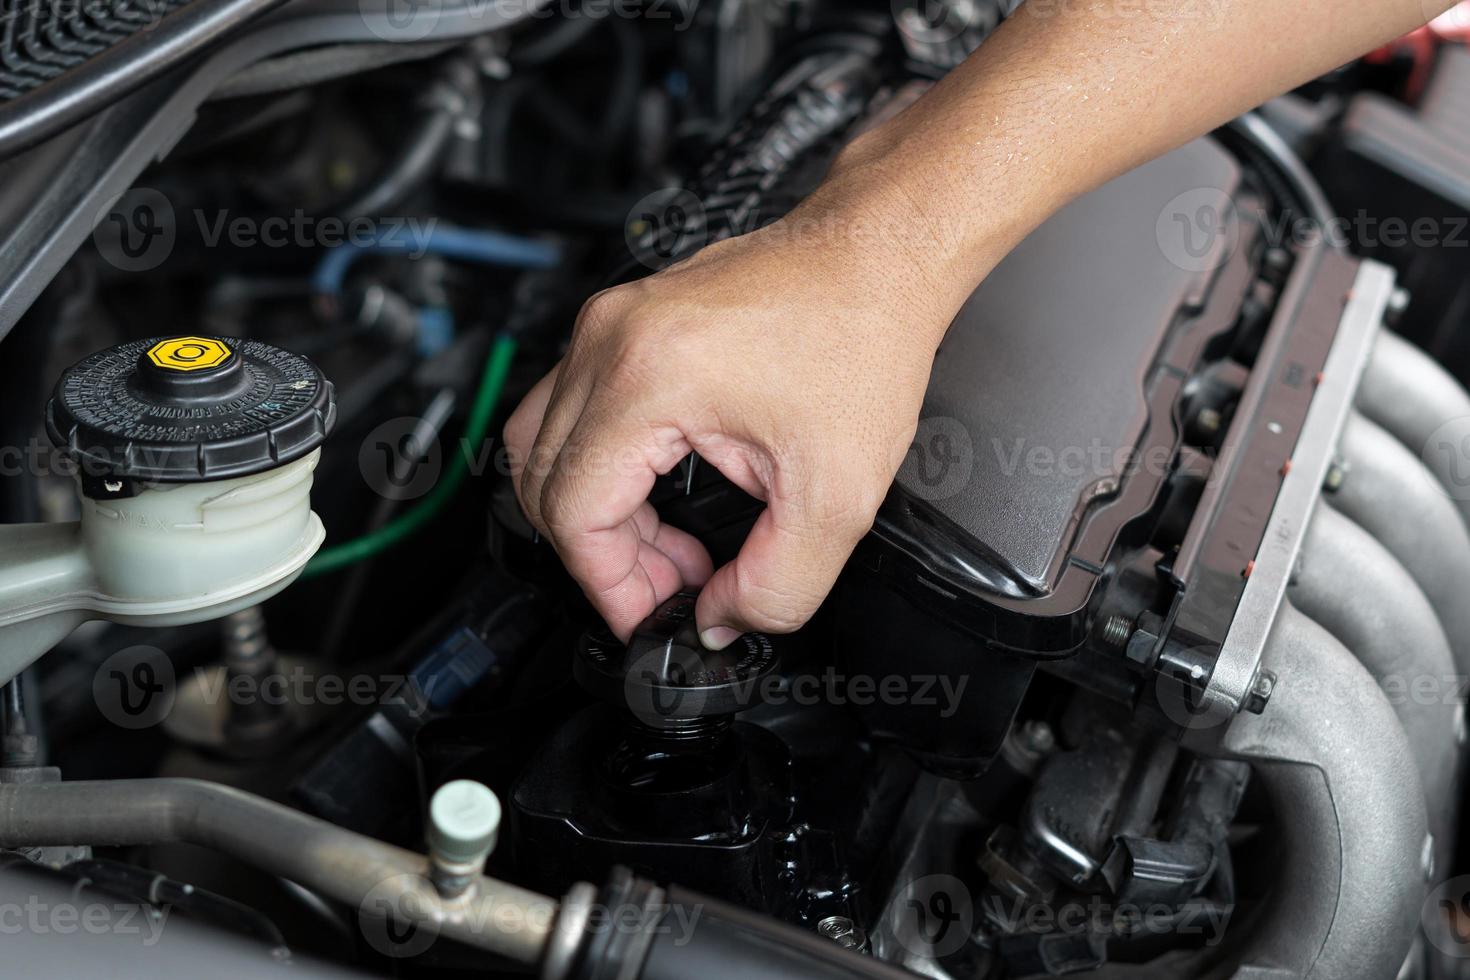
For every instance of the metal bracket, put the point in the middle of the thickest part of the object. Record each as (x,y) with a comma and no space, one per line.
(1239,662)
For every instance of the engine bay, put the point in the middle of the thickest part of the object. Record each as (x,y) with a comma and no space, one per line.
(1151,664)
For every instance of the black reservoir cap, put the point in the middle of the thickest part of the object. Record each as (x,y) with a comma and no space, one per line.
(187,410)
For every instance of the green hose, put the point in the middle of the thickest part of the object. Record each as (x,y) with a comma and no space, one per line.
(492,382)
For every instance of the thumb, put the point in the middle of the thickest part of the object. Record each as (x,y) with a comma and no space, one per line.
(785,569)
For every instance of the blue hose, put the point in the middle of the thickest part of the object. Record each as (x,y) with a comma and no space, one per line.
(464,244)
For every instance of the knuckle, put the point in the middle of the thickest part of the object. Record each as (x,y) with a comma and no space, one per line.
(560,507)
(553,507)
(534,483)
(604,309)
(520,429)
(625,340)
(529,495)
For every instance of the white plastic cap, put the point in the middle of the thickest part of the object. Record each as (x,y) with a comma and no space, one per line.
(464,821)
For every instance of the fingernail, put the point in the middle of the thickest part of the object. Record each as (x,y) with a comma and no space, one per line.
(718,637)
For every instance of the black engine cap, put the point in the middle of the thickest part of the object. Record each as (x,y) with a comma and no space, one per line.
(666,675)
(187,410)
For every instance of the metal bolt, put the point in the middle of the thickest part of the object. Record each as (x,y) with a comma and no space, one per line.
(1209,420)
(1336,474)
(1278,259)
(1398,302)
(842,931)
(1261,690)
(496,67)
(253,720)
(1116,630)
(1038,737)
(247,645)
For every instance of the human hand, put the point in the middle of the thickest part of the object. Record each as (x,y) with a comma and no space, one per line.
(794,359)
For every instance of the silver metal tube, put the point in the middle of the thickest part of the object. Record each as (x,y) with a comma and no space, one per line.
(1388,492)
(374,877)
(1351,586)
(1407,392)
(1332,757)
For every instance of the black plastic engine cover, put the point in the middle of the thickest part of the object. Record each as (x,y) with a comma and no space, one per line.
(1048,360)
(1048,423)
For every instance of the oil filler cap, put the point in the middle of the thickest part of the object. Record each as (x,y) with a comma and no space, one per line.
(666,676)
(187,410)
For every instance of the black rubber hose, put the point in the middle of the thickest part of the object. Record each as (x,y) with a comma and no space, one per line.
(555,41)
(448,101)
(622,104)
(413,164)
(301,69)
(676,934)
(1273,152)
(23,390)
(13,711)
(726,942)
(559,119)
(106,77)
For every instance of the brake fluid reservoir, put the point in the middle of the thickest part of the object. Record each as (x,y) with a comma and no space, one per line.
(194,458)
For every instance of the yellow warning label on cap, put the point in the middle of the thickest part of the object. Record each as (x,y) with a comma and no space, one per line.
(188,353)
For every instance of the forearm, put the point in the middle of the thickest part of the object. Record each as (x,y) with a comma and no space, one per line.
(1068,94)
